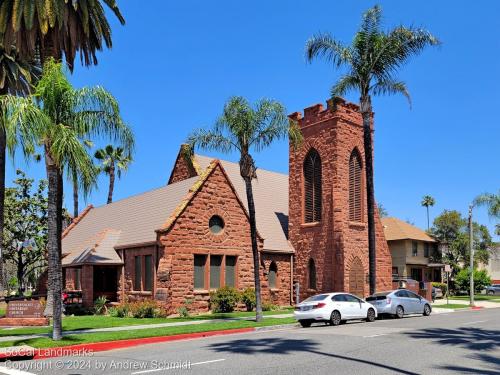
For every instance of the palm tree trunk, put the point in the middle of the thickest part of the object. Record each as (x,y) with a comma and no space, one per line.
(366,112)
(75,196)
(3,146)
(428,225)
(255,249)
(54,287)
(111,182)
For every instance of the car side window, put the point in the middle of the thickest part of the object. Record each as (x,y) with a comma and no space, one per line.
(339,298)
(412,295)
(401,293)
(350,298)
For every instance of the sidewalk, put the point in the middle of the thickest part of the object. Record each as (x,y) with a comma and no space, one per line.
(143,326)
(484,304)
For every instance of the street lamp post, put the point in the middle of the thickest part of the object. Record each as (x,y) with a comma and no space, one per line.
(471,248)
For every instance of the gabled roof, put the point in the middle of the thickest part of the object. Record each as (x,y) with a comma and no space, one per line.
(134,220)
(135,217)
(99,249)
(270,191)
(395,229)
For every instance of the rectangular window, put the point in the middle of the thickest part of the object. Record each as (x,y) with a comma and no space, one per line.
(416,274)
(414,251)
(215,263)
(78,272)
(199,271)
(230,270)
(426,249)
(395,271)
(148,272)
(138,273)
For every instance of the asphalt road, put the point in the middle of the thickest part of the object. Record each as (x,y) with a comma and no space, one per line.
(458,342)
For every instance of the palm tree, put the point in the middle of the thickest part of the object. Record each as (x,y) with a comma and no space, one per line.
(242,128)
(372,60)
(113,160)
(60,117)
(58,28)
(428,201)
(15,79)
(492,202)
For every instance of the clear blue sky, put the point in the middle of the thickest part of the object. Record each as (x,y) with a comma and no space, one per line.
(174,65)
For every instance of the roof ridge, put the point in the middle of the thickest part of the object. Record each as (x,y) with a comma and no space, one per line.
(236,163)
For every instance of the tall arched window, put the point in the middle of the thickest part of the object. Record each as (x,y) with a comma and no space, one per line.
(273,275)
(312,187)
(355,187)
(312,274)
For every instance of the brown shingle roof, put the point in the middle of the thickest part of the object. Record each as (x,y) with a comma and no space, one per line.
(135,217)
(270,191)
(99,249)
(395,229)
(133,221)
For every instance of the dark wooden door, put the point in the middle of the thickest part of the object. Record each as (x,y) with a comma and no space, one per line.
(357,278)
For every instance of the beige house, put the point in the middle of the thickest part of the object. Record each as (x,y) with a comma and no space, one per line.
(414,253)
(493,266)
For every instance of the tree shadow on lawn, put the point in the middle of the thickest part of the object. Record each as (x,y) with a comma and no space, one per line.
(470,338)
(283,346)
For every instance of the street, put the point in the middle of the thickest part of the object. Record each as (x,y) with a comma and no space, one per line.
(459,342)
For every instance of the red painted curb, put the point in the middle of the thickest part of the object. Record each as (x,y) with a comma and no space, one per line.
(120,344)
(477,308)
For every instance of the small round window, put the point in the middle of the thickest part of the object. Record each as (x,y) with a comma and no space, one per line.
(216,224)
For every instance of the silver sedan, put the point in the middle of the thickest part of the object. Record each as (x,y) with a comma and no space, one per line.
(399,303)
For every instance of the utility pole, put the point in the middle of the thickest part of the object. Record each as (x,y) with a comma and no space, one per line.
(471,248)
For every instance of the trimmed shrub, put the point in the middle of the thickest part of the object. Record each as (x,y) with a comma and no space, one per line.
(120,311)
(146,309)
(268,306)
(441,286)
(224,299)
(183,311)
(248,298)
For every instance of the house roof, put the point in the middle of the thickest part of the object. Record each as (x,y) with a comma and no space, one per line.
(270,190)
(99,249)
(134,220)
(395,229)
(135,217)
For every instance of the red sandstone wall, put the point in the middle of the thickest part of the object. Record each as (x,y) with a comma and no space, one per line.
(190,235)
(334,243)
(182,169)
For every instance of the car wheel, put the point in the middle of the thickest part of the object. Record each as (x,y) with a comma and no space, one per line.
(305,323)
(427,310)
(400,312)
(370,316)
(335,318)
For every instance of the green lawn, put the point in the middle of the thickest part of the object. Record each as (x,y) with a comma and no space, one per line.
(451,306)
(74,323)
(479,297)
(122,335)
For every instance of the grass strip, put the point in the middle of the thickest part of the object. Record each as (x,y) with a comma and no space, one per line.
(46,342)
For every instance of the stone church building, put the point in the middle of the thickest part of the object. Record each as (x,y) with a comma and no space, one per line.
(192,235)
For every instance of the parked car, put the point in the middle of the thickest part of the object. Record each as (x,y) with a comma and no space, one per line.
(436,293)
(493,289)
(334,308)
(399,303)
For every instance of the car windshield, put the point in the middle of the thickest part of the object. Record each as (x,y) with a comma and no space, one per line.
(318,297)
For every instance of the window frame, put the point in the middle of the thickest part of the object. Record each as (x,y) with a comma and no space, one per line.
(207,274)
(137,273)
(273,267)
(414,248)
(204,273)
(312,187)
(311,268)
(212,276)
(426,249)
(355,190)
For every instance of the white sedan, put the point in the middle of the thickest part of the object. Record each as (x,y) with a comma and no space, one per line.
(334,308)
